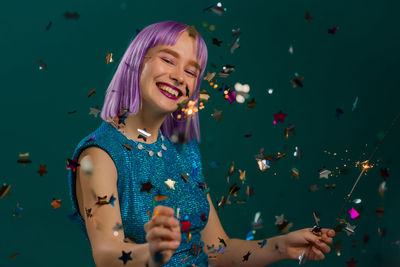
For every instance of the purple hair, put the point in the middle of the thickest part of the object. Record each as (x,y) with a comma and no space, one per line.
(123,91)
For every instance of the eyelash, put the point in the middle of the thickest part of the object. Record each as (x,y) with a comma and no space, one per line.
(169,62)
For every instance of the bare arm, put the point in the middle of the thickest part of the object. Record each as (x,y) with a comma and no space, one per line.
(249,253)
(237,249)
(106,240)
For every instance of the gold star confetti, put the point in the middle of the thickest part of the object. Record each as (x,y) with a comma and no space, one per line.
(170,183)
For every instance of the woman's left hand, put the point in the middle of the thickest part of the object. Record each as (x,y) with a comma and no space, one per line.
(315,246)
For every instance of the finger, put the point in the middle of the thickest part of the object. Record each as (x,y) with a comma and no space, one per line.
(316,241)
(166,221)
(159,233)
(322,247)
(163,210)
(164,245)
(328,232)
(327,240)
(318,255)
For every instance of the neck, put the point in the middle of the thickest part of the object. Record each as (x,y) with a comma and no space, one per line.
(141,120)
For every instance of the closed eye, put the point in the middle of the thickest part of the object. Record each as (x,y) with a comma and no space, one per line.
(169,62)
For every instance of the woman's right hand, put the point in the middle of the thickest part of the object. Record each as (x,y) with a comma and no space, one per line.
(163,233)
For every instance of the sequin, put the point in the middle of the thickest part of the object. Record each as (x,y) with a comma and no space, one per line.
(135,167)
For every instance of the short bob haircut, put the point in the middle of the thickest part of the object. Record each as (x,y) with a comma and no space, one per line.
(123,91)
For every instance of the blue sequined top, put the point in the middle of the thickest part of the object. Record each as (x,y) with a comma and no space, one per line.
(135,167)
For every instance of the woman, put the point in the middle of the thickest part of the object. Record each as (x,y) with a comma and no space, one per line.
(139,197)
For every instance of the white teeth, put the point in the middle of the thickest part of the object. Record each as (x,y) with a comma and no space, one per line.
(169,90)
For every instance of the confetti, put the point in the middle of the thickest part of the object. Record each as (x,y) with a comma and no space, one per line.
(210,76)
(94,111)
(295,173)
(313,188)
(297,153)
(339,113)
(5,190)
(333,30)
(192,31)
(216,9)
(242,92)
(379,211)
(297,81)
(126,256)
(262,164)
(70,15)
(324,173)
(217,115)
(351,263)
(42,170)
(56,203)
(109,58)
(72,164)
(230,96)
(384,173)
(355,104)
(49,26)
(24,158)
(279,117)
(236,33)
(289,131)
(349,229)
(353,213)
(170,183)
(235,45)
(382,189)
(216,42)
(308,16)
(252,103)
(204,96)
(143,134)
(18,210)
(291,49)
(42,65)
(92,92)
(226,71)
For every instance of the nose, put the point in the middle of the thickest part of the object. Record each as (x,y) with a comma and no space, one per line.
(177,77)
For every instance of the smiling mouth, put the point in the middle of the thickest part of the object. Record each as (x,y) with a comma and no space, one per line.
(168,92)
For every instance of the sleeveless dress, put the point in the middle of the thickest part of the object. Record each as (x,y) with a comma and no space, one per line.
(135,168)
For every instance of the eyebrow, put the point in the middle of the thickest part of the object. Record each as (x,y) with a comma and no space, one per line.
(175,54)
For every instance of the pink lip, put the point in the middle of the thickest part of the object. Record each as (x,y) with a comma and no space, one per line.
(169,96)
(173,87)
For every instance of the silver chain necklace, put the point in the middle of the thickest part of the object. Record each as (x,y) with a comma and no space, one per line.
(140,146)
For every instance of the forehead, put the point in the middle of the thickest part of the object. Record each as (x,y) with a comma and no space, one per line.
(184,48)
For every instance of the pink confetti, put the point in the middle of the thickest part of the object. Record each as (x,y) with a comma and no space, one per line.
(353,213)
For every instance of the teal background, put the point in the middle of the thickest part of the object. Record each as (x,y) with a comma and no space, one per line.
(361,59)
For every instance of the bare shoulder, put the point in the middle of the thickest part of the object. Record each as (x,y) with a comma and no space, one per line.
(100,161)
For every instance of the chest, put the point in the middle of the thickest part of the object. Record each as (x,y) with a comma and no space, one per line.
(172,181)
